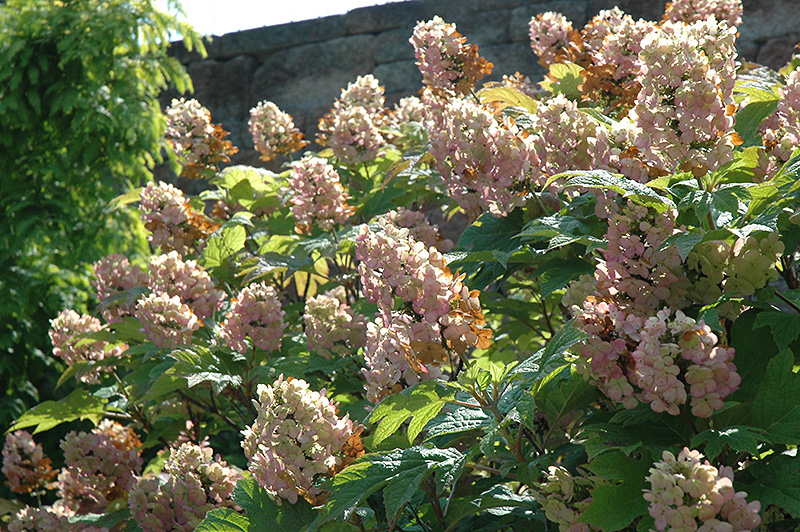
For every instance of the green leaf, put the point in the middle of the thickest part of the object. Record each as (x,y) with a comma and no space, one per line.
(77,405)
(561,392)
(561,231)
(508,95)
(457,419)
(402,470)
(132,196)
(754,348)
(552,354)
(776,407)
(564,78)
(497,501)
(225,520)
(108,520)
(749,119)
(493,233)
(685,242)
(265,514)
(557,273)
(613,507)
(421,402)
(199,365)
(776,481)
(785,326)
(628,188)
(224,244)
(739,438)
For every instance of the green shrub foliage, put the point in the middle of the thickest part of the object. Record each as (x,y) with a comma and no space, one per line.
(81,122)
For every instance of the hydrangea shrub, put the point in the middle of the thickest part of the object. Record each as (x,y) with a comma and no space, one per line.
(564,305)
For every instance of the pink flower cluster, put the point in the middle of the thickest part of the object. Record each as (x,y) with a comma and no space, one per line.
(365,91)
(408,109)
(684,109)
(332,327)
(448,65)
(689,11)
(687,493)
(296,437)
(621,42)
(563,499)
(419,228)
(99,467)
(789,107)
(189,129)
(409,344)
(318,197)
(566,139)
(24,463)
(550,35)
(165,213)
(255,312)
(171,275)
(114,274)
(666,360)
(634,270)
(166,320)
(53,518)
(197,142)
(273,131)
(601,26)
(484,159)
(193,484)
(64,331)
(394,353)
(352,127)
(393,264)
(779,131)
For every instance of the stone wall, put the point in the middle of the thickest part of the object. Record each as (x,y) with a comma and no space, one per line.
(303,66)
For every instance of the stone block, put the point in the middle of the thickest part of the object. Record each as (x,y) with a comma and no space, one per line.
(747,49)
(399,77)
(478,30)
(376,19)
(767,19)
(502,5)
(224,86)
(352,53)
(454,11)
(510,58)
(393,45)
(259,42)
(775,53)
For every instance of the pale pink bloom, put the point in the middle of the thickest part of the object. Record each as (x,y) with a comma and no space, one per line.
(448,65)
(171,275)
(98,469)
(192,484)
(24,463)
(273,131)
(332,327)
(255,313)
(688,493)
(689,11)
(549,33)
(166,320)
(295,438)
(115,274)
(65,332)
(318,197)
